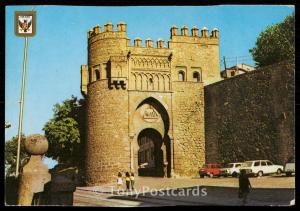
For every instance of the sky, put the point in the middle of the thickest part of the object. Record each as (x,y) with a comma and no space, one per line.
(59,48)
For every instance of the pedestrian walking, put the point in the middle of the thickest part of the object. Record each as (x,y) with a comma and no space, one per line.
(127,179)
(244,186)
(132,181)
(119,181)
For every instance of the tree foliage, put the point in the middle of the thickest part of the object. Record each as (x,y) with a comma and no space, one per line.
(276,43)
(11,147)
(65,132)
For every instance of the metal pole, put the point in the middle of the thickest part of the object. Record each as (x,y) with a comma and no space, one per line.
(237,65)
(131,156)
(224,63)
(21,106)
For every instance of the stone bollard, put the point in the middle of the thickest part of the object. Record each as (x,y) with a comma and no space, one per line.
(35,173)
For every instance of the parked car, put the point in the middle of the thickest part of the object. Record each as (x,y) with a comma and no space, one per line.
(261,167)
(232,169)
(289,167)
(211,170)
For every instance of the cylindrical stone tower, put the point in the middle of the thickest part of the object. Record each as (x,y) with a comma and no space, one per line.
(107,150)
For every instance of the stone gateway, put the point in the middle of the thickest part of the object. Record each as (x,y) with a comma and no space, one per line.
(145,104)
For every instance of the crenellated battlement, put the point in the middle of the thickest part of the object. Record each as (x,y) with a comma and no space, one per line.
(185,36)
(194,37)
(194,32)
(187,51)
(108,30)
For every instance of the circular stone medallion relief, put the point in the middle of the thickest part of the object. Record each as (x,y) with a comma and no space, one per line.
(149,114)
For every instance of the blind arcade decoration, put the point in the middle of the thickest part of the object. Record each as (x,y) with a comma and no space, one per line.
(25,23)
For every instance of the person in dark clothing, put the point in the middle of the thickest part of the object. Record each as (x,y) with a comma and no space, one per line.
(244,186)
(127,179)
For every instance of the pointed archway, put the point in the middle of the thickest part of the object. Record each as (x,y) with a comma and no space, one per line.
(152,147)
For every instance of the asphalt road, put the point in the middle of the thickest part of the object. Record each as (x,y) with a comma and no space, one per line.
(198,195)
(267,191)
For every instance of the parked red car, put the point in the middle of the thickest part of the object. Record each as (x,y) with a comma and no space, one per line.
(211,170)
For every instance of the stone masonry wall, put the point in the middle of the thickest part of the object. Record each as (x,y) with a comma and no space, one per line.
(188,126)
(150,72)
(108,149)
(100,49)
(251,116)
(201,55)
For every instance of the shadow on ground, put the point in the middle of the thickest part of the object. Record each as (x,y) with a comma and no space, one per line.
(210,195)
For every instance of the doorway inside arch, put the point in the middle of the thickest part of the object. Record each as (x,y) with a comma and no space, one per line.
(150,153)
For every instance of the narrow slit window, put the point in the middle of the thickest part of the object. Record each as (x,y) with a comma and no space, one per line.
(97,75)
(90,75)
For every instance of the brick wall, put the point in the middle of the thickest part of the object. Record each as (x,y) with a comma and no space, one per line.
(251,116)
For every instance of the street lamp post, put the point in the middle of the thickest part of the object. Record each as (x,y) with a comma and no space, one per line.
(25,26)
(21,106)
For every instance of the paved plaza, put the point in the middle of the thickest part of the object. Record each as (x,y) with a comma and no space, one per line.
(267,191)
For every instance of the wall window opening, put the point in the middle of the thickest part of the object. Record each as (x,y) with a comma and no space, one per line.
(97,75)
(181,76)
(90,76)
(196,77)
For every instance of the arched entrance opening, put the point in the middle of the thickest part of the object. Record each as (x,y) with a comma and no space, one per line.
(152,145)
(150,154)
